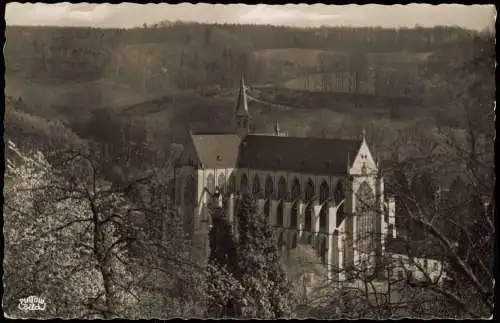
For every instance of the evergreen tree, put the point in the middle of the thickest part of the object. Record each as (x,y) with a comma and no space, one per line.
(259,270)
(223,290)
(222,242)
(245,277)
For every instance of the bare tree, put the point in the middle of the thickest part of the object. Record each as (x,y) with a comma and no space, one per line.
(69,237)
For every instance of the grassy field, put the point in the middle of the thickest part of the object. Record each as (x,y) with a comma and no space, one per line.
(299,56)
(50,99)
(311,57)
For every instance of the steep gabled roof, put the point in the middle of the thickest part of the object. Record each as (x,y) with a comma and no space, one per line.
(298,154)
(217,150)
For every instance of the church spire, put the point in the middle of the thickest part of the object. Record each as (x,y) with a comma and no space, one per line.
(277,128)
(241,105)
(242,115)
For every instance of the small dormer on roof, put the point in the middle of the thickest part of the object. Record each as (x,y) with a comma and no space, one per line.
(241,105)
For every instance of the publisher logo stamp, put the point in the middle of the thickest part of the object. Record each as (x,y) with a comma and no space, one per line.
(32,303)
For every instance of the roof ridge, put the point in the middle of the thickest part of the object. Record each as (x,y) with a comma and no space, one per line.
(309,138)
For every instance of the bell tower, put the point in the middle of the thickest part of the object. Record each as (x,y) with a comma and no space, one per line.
(242,116)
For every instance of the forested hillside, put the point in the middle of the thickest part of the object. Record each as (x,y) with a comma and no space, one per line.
(168,77)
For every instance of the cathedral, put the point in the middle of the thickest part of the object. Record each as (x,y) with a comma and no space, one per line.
(326,193)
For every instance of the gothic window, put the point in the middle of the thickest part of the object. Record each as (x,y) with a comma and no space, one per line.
(269,189)
(295,189)
(339,194)
(322,250)
(294,215)
(267,209)
(256,186)
(244,183)
(294,241)
(280,239)
(231,184)
(308,218)
(389,231)
(211,183)
(340,214)
(365,217)
(323,219)
(324,192)
(221,182)
(189,190)
(309,190)
(282,189)
(279,214)
(189,198)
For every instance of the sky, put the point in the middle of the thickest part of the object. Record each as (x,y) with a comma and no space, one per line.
(126,15)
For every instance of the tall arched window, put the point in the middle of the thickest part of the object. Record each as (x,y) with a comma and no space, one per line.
(324,192)
(281,240)
(339,193)
(309,190)
(279,214)
(365,212)
(221,182)
(340,214)
(189,191)
(294,215)
(294,240)
(308,218)
(231,184)
(323,219)
(296,189)
(267,209)
(244,183)
(322,250)
(269,187)
(281,189)
(211,183)
(256,186)
(189,199)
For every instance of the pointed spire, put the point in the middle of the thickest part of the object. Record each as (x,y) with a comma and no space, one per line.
(364,134)
(277,128)
(242,107)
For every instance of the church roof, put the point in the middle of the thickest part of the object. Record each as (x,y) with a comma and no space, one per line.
(298,154)
(217,150)
(271,153)
(276,153)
